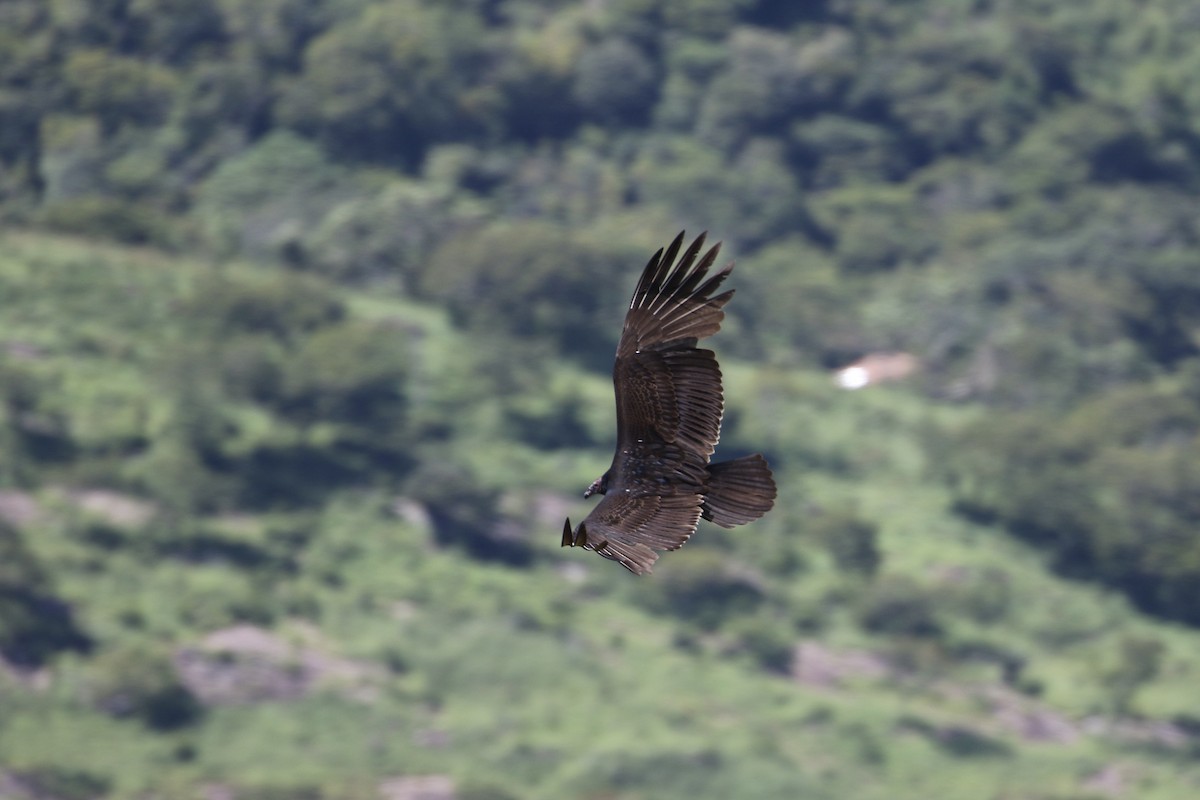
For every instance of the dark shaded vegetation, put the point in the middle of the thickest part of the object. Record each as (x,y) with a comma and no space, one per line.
(35,625)
(140,682)
(306,316)
(1108,489)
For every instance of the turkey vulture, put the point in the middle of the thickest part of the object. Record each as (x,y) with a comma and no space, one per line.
(669,404)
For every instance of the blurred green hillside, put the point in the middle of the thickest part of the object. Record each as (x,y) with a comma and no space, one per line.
(306,314)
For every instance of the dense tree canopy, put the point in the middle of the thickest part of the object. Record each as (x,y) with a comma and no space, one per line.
(357,137)
(307,312)
(1005,190)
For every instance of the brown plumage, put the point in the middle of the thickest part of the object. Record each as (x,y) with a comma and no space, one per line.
(669,406)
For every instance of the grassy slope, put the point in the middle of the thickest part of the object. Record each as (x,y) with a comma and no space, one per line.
(553,682)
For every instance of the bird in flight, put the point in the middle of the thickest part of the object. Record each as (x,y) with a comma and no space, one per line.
(669,405)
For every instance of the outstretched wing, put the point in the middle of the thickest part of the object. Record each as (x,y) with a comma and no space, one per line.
(667,390)
(673,304)
(669,405)
(631,529)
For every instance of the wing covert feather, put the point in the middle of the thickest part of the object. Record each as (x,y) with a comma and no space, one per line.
(629,528)
(667,390)
(670,400)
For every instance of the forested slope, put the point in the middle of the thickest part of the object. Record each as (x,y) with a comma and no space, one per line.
(306,312)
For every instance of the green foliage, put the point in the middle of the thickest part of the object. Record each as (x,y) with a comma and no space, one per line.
(752,194)
(768,78)
(1138,663)
(958,741)
(34,624)
(118,89)
(519,281)
(364,444)
(263,199)
(352,373)
(386,236)
(30,431)
(109,218)
(68,784)
(1024,170)
(614,82)
(879,229)
(347,478)
(140,682)
(768,642)
(1106,489)
(853,542)
(986,596)
(389,80)
(897,605)
(281,307)
(704,588)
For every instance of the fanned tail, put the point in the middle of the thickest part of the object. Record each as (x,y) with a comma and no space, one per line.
(739,491)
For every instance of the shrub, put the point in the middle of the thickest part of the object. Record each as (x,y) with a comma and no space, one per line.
(1139,660)
(263,200)
(139,681)
(465,513)
(62,783)
(701,586)
(614,82)
(386,82)
(1108,490)
(107,217)
(770,643)
(957,740)
(34,624)
(895,604)
(386,237)
(352,373)
(985,595)
(536,280)
(852,541)
(283,307)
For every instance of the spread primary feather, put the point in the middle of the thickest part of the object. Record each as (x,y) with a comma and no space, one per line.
(669,406)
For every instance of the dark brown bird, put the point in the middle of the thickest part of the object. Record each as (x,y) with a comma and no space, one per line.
(669,406)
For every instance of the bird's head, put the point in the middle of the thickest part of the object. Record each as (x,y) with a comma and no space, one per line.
(599,486)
